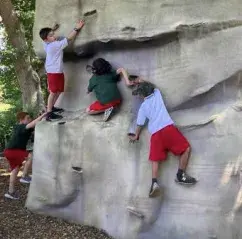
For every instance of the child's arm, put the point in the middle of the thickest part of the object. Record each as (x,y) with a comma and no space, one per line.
(137,134)
(123,72)
(34,122)
(75,31)
(91,85)
(141,119)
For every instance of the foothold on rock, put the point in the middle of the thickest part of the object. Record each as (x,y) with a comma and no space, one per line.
(131,29)
(77,169)
(63,122)
(133,210)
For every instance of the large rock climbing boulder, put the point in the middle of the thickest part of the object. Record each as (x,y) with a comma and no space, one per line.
(193,53)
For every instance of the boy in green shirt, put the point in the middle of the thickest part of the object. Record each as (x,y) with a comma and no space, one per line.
(16,152)
(104,84)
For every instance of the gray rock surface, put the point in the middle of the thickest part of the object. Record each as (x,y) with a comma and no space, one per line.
(193,53)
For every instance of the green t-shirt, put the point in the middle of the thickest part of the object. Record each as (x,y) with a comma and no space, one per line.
(105,87)
(20,137)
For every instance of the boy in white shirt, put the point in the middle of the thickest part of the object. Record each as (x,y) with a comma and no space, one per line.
(165,136)
(54,66)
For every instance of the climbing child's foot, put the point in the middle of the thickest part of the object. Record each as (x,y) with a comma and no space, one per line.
(25,179)
(77,169)
(107,114)
(57,110)
(53,117)
(155,190)
(185,179)
(13,196)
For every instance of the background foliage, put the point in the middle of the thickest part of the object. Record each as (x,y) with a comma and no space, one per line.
(10,94)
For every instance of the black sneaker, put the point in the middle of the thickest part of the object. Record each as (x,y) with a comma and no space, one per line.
(154,190)
(53,117)
(185,179)
(57,110)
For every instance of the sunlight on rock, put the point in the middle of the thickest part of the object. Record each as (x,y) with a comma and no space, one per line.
(227,173)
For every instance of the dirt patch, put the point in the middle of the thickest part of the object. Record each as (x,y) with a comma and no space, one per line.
(17,222)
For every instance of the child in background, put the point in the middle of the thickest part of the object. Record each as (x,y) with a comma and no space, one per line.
(16,152)
(165,136)
(54,66)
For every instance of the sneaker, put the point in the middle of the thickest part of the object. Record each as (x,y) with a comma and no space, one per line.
(77,169)
(25,179)
(53,117)
(57,110)
(13,195)
(154,190)
(185,179)
(107,114)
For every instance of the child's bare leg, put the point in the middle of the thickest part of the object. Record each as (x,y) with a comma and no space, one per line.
(51,101)
(56,97)
(27,166)
(182,176)
(155,168)
(184,159)
(154,189)
(13,178)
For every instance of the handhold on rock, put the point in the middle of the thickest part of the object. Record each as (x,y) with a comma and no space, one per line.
(212,237)
(90,13)
(42,199)
(143,39)
(105,40)
(127,28)
(56,26)
(134,211)
(77,169)
(62,122)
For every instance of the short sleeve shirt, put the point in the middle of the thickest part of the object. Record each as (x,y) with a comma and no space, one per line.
(105,87)
(54,55)
(154,109)
(20,137)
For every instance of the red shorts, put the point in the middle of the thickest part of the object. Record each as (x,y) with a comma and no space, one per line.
(56,82)
(97,106)
(15,157)
(167,139)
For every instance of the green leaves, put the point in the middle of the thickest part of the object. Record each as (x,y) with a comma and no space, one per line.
(9,88)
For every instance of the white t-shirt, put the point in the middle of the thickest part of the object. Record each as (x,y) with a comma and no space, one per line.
(54,56)
(154,109)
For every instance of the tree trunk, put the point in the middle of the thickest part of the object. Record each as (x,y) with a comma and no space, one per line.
(28,78)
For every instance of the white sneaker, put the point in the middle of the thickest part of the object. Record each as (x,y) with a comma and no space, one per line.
(107,114)
(13,196)
(154,190)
